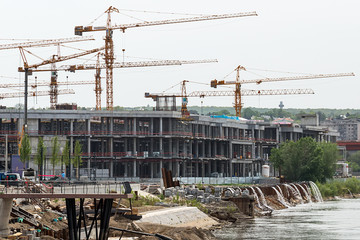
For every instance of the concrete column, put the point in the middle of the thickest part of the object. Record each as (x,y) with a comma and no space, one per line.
(177,168)
(215,148)
(125,145)
(151,126)
(221,132)
(161,147)
(252,169)
(134,126)
(161,126)
(244,170)
(134,168)
(209,167)
(203,148)
(125,169)
(134,147)
(171,152)
(191,148)
(230,158)
(202,169)
(152,169)
(196,169)
(170,125)
(111,168)
(197,149)
(209,148)
(160,167)
(184,149)
(177,147)
(171,165)
(215,166)
(5,210)
(183,174)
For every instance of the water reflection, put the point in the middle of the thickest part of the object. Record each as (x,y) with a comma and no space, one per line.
(327,220)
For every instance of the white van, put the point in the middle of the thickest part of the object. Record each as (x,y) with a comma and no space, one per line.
(29,174)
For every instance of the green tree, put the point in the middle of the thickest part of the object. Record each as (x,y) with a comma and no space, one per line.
(305,160)
(66,155)
(330,157)
(354,161)
(77,157)
(40,153)
(55,153)
(276,159)
(25,149)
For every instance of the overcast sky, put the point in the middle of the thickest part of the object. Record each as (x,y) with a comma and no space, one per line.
(302,37)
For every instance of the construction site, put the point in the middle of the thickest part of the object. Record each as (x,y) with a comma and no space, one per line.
(119,147)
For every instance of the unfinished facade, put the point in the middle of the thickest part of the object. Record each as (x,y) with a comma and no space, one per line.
(140,143)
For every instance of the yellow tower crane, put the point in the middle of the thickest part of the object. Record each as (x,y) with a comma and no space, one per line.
(109,45)
(238,83)
(98,66)
(184,111)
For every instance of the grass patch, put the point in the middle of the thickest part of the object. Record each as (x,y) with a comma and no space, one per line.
(339,187)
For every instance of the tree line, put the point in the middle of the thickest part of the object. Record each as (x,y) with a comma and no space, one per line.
(56,157)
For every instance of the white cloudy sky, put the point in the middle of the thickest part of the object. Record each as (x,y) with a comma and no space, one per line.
(303,37)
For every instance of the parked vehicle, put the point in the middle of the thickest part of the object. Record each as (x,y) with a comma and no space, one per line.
(10,179)
(29,174)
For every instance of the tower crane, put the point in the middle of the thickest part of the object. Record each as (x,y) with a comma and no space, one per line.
(109,45)
(55,58)
(248,92)
(41,43)
(34,93)
(238,82)
(98,66)
(45,43)
(44,83)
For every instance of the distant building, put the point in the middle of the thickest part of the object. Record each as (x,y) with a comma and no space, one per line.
(349,129)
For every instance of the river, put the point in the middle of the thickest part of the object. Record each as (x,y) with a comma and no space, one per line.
(326,220)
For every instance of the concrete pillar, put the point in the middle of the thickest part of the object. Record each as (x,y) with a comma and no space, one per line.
(191,148)
(134,147)
(134,126)
(171,165)
(170,126)
(111,168)
(160,167)
(183,174)
(244,170)
(5,210)
(202,169)
(125,169)
(134,168)
(177,150)
(161,126)
(177,168)
(151,126)
(209,167)
(152,169)
(171,152)
(215,166)
(203,148)
(161,147)
(196,169)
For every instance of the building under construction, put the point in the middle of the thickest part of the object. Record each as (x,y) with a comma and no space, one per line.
(140,143)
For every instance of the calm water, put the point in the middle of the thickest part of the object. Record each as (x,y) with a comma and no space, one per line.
(328,220)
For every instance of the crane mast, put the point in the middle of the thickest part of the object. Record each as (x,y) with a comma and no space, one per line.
(109,45)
